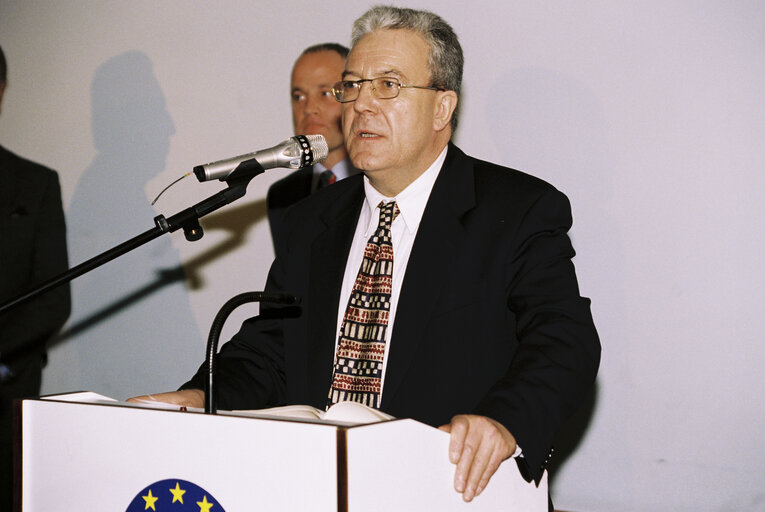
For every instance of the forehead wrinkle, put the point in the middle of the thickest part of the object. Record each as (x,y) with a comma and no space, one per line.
(392,73)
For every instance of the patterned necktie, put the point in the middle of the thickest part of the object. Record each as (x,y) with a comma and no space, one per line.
(361,343)
(326,178)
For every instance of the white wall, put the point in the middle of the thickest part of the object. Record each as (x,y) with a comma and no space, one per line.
(649,115)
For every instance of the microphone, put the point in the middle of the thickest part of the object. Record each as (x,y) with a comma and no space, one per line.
(293,153)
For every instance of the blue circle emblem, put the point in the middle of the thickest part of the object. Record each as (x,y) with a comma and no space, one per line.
(174,495)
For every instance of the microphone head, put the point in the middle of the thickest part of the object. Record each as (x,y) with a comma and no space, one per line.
(314,148)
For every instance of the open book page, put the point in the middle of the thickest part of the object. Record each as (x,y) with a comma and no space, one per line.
(90,397)
(287,411)
(355,412)
(347,413)
(343,413)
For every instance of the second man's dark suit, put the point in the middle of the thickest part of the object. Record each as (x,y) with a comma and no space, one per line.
(490,320)
(284,193)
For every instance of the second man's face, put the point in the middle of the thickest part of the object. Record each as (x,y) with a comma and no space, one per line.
(314,109)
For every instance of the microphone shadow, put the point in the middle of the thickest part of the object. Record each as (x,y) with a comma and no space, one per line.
(236,221)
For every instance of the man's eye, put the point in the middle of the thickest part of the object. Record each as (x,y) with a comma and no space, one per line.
(349,86)
(327,94)
(389,84)
(298,97)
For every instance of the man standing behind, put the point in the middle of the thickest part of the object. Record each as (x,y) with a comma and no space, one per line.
(32,250)
(314,112)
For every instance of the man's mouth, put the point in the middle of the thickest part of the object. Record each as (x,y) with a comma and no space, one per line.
(313,125)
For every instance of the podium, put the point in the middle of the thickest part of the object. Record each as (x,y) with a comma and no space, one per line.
(80,455)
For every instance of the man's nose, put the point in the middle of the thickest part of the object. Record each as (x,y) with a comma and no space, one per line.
(311,104)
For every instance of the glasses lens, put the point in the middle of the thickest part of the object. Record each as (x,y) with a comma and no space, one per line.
(383,87)
(386,88)
(345,91)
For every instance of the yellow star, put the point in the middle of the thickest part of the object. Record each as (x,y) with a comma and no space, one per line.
(177,493)
(204,506)
(149,501)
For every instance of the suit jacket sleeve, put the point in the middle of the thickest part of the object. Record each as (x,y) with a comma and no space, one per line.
(558,348)
(250,368)
(285,354)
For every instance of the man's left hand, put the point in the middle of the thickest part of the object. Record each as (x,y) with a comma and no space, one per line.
(477,445)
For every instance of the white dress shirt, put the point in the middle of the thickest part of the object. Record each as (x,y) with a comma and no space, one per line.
(411,203)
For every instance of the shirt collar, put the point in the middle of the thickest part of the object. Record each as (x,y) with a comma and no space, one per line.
(411,201)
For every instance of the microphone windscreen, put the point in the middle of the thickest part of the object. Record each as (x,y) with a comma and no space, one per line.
(319,147)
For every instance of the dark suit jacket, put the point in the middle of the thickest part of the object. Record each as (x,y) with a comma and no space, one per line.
(489,320)
(32,250)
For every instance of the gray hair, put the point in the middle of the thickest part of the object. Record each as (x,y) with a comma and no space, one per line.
(445,60)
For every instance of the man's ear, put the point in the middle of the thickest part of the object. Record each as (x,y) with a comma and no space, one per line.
(446,104)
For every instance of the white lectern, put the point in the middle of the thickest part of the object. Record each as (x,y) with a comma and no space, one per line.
(77,455)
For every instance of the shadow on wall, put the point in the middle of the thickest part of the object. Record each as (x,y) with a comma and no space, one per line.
(131,329)
(236,221)
(552,126)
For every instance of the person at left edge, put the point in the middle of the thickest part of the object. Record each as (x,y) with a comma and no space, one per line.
(314,112)
(32,250)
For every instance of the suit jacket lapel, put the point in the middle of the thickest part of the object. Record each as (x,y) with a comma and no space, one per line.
(329,252)
(440,232)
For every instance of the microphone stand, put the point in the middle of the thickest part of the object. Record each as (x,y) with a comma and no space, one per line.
(188,220)
(211,401)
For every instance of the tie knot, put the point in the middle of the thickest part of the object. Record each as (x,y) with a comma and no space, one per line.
(326,178)
(388,213)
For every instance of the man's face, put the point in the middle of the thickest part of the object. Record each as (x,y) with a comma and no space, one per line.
(314,109)
(391,139)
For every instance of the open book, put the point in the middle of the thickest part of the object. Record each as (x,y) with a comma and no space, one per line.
(341,412)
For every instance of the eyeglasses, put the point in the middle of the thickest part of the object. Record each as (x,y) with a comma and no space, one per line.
(384,88)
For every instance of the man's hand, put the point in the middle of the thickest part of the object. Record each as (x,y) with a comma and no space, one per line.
(186,397)
(477,446)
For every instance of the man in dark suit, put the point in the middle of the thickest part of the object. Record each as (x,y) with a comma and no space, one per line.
(487,334)
(314,112)
(32,250)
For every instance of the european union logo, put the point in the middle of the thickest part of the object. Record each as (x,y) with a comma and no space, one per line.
(176,496)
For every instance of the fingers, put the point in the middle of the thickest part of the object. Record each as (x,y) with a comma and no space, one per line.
(493,459)
(186,397)
(458,429)
(472,458)
(477,445)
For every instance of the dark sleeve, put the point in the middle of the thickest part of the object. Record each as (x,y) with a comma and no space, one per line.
(37,320)
(559,351)
(250,367)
